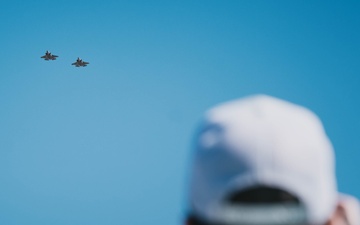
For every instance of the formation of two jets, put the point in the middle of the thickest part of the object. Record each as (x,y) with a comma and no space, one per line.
(79,62)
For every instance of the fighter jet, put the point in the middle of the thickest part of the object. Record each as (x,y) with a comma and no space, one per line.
(48,56)
(80,63)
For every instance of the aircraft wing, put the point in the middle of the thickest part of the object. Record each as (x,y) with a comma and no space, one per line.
(44,56)
(55,56)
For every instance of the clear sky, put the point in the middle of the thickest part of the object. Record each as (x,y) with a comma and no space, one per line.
(110,143)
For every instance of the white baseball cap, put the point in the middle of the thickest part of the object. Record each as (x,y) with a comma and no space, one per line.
(262,140)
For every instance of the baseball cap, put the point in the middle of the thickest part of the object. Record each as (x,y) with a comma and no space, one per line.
(262,141)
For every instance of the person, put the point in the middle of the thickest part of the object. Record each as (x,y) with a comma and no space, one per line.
(263,161)
(350,207)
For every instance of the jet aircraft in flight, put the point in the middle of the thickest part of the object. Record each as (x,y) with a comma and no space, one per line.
(80,63)
(48,56)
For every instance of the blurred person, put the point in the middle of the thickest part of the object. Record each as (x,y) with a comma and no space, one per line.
(350,207)
(263,161)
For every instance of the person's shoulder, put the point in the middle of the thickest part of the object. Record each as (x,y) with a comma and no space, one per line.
(351,206)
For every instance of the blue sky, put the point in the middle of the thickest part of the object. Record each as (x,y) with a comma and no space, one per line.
(110,143)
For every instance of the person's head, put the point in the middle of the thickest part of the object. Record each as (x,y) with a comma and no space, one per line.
(262,161)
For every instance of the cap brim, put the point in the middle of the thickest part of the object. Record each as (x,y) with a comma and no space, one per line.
(260,214)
